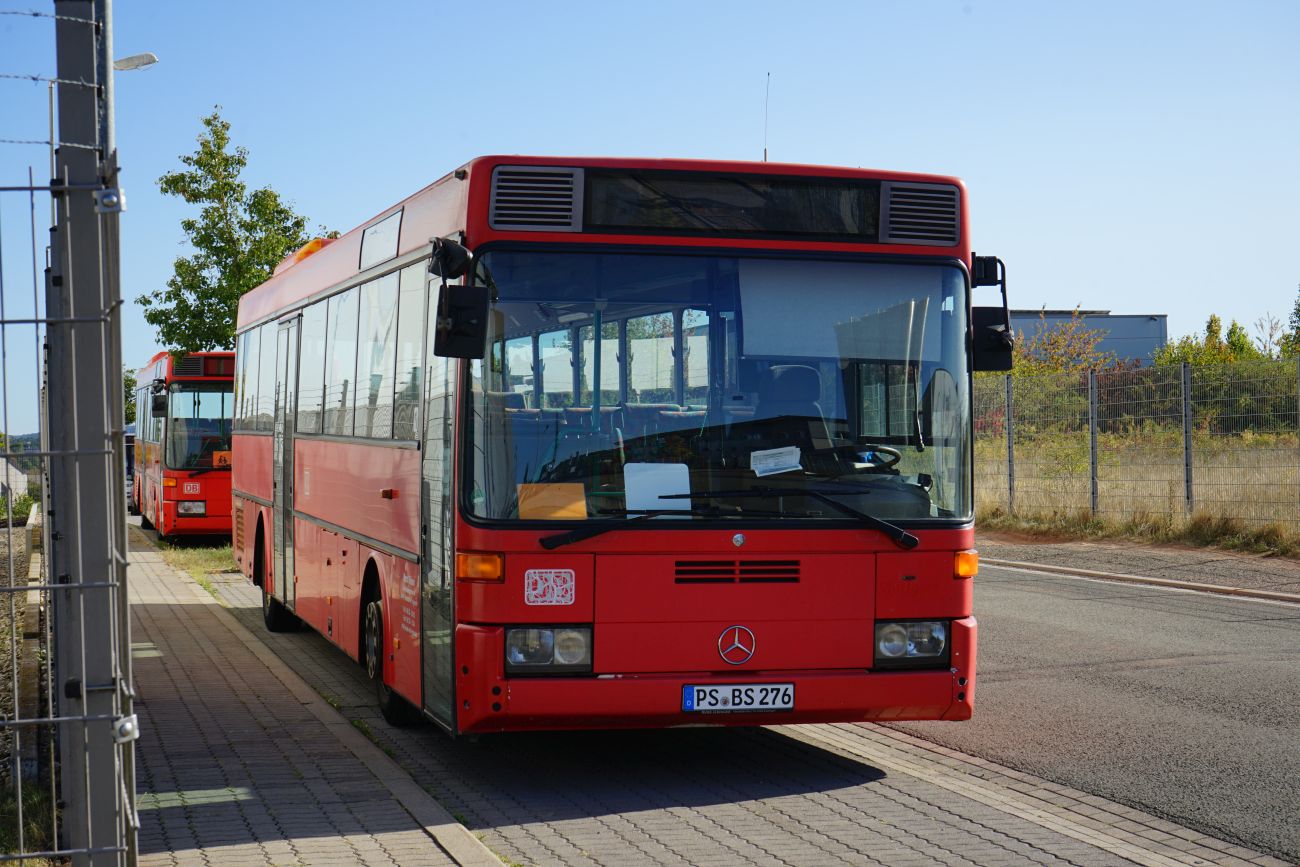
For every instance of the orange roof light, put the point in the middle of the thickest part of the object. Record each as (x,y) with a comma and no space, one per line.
(312,246)
(966,564)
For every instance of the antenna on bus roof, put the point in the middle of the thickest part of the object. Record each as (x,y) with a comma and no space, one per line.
(766,95)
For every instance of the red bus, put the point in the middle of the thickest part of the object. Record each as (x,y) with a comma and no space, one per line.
(663,442)
(183,414)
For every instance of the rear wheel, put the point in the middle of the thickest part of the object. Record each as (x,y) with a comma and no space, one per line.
(144,516)
(395,709)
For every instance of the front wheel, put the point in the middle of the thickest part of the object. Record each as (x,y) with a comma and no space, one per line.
(276,617)
(395,709)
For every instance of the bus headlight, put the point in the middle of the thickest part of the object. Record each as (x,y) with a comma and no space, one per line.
(548,650)
(191,507)
(911,643)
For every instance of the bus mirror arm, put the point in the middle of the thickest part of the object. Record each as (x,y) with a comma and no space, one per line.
(993,339)
(460,329)
(449,259)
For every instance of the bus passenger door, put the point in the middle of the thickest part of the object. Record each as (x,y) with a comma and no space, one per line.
(438,620)
(286,410)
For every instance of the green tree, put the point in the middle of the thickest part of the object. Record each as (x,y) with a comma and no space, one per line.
(1213,347)
(1289,344)
(128,394)
(1063,347)
(238,238)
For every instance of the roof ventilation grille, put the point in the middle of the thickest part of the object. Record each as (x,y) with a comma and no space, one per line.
(921,214)
(536,199)
(190,365)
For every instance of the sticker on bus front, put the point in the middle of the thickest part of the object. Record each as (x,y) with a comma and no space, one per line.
(549,586)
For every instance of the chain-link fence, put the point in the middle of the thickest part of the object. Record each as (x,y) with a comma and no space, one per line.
(66,723)
(1171,441)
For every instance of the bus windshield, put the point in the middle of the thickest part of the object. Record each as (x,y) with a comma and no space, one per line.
(198,425)
(692,387)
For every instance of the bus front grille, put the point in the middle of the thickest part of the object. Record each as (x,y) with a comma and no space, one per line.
(737,572)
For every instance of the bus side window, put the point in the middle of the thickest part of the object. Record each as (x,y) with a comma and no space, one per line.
(340,363)
(695,363)
(652,370)
(555,349)
(265,406)
(410,332)
(311,368)
(376,355)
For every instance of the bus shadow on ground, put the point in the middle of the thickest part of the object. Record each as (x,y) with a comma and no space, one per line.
(521,778)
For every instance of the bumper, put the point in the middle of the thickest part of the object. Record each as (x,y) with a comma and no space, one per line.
(187,525)
(490,702)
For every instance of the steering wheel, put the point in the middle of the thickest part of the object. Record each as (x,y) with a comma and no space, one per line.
(880,457)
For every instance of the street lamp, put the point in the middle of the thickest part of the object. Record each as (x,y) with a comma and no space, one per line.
(136,61)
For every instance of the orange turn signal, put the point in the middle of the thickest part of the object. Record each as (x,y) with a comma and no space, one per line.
(479,567)
(169,482)
(966,564)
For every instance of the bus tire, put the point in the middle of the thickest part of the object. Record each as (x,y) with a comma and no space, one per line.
(276,617)
(395,709)
(145,523)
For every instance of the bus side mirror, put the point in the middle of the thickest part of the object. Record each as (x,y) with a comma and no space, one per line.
(461,330)
(993,341)
(991,326)
(158,403)
(450,260)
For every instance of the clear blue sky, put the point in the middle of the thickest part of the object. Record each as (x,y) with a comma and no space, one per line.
(1136,157)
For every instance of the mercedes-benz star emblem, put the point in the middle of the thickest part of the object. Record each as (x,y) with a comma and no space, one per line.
(738,539)
(736,645)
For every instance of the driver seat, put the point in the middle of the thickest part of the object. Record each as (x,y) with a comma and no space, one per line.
(788,412)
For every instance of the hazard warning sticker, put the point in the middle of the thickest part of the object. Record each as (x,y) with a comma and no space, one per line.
(549,586)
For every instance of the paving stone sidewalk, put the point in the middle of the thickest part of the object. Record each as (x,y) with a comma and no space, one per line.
(1169,562)
(233,766)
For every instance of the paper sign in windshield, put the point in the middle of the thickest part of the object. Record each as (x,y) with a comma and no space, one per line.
(549,586)
(769,462)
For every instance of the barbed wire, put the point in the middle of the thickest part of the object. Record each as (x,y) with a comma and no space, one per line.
(33,14)
(46,143)
(22,76)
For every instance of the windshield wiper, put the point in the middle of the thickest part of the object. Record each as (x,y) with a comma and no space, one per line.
(901,537)
(579,533)
(198,471)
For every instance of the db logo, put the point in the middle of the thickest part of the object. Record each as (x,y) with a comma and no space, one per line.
(549,587)
(190,488)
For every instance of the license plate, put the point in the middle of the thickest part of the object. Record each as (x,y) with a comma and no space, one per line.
(731,697)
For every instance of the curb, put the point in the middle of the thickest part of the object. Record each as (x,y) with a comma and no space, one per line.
(1269,595)
(451,836)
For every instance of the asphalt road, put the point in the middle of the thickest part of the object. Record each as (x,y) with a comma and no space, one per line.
(1184,705)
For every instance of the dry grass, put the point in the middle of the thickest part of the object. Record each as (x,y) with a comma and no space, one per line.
(198,559)
(1246,488)
(1202,529)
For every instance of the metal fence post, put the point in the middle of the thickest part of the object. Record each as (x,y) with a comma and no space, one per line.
(1092,436)
(1011,452)
(87,527)
(1189,501)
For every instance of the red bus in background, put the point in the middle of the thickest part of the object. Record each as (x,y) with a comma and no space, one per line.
(183,453)
(664,442)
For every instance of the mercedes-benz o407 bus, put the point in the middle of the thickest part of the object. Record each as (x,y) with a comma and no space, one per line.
(566,443)
(184,409)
